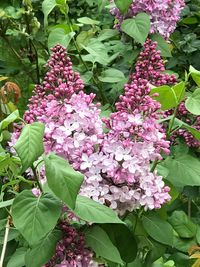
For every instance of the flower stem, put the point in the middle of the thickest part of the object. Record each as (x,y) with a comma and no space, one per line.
(5,241)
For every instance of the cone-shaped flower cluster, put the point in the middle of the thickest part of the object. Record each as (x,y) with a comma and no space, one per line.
(164,14)
(116,164)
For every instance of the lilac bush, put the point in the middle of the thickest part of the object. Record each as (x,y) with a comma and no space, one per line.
(164,14)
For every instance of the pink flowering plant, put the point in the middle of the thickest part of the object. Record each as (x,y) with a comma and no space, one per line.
(102,167)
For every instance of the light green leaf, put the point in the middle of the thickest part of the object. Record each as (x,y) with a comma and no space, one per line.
(62,179)
(6,203)
(59,36)
(169,97)
(97,52)
(11,118)
(186,126)
(162,45)
(34,216)
(111,75)
(195,75)
(83,38)
(107,34)
(158,229)
(18,258)
(92,211)
(137,28)
(42,252)
(47,7)
(86,20)
(97,239)
(29,146)
(184,169)
(182,224)
(123,5)
(192,103)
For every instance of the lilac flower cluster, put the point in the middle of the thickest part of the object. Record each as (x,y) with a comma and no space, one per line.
(70,249)
(164,14)
(116,164)
(150,66)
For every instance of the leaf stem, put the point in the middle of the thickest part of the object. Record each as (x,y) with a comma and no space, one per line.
(37,179)
(171,123)
(154,165)
(5,241)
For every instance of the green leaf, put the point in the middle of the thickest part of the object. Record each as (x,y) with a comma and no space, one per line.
(195,75)
(123,5)
(97,52)
(29,146)
(123,239)
(162,45)
(158,229)
(169,97)
(6,203)
(13,233)
(107,34)
(43,252)
(192,103)
(34,216)
(97,239)
(184,169)
(186,126)
(111,76)
(11,118)
(137,28)
(92,211)
(59,36)
(47,7)
(83,38)
(18,258)
(89,21)
(182,224)
(62,179)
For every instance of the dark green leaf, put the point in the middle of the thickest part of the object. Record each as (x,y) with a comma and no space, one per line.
(182,224)
(158,229)
(97,239)
(42,252)
(123,239)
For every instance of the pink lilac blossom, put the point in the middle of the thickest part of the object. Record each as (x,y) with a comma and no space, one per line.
(116,164)
(164,14)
